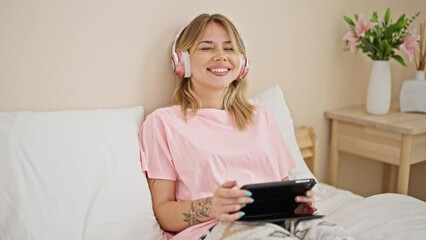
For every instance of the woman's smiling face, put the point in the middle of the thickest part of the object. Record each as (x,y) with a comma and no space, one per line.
(214,62)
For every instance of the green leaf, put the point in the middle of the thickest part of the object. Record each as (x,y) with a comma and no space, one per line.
(400,60)
(387,16)
(375,17)
(381,49)
(390,30)
(401,22)
(356,17)
(387,49)
(367,46)
(400,19)
(349,20)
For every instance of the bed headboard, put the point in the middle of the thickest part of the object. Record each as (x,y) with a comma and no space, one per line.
(308,145)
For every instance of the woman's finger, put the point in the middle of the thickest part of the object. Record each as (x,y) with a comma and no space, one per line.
(232,193)
(230,208)
(232,201)
(303,199)
(231,217)
(229,184)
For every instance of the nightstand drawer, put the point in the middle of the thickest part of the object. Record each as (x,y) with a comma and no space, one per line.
(369,142)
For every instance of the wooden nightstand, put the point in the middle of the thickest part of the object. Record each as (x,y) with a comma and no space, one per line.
(397,139)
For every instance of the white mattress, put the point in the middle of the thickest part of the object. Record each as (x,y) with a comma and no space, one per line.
(383,216)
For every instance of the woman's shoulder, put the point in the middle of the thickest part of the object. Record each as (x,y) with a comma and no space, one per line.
(166,110)
(261,111)
(263,114)
(164,113)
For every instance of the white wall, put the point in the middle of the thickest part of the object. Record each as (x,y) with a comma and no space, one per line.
(90,54)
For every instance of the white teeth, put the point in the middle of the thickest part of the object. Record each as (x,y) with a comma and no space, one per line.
(219,70)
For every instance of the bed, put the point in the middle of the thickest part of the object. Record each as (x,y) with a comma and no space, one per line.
(76,174)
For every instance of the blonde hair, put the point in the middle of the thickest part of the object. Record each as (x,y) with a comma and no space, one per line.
(234,100)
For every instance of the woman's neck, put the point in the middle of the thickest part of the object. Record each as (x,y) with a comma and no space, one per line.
(215,105)
(211,99)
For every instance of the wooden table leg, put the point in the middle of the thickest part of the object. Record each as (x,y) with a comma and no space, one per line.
(404,165)
(334,153)
(389,178)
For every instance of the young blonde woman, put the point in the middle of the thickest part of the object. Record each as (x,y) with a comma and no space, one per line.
(198,153)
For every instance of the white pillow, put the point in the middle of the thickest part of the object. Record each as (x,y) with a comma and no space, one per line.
(73,175)
(273,100)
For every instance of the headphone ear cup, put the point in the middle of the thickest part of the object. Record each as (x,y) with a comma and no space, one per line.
(181,64)
(178,65)
(244,67)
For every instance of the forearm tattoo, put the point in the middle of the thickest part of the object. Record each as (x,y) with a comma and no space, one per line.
(198,209)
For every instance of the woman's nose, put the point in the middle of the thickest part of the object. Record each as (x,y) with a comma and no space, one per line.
(220,56)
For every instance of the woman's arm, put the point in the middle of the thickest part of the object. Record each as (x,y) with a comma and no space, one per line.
(176,216)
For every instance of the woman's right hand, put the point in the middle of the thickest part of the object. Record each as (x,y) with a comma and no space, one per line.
(227,201)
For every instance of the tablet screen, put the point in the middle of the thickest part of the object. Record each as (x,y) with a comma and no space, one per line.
(275,200)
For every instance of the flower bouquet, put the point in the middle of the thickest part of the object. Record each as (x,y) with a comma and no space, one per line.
(380,38)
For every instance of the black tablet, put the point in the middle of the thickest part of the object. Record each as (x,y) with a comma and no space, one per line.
(275,201)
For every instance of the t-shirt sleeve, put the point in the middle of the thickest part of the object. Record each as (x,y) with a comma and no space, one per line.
(156,158)
(285,161)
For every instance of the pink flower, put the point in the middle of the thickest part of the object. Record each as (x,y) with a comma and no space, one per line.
(349,36)
(361,26)
(409,45)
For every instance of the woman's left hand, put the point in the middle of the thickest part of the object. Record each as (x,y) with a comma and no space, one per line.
(306,204)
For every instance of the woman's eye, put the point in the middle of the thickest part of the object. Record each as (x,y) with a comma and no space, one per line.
(229,49)
(206,48)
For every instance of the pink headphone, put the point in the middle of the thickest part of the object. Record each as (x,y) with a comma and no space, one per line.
(181,63)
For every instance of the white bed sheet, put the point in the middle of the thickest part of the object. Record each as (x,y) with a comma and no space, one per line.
(383,216)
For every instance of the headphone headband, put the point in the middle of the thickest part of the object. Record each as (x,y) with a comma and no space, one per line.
(176,39)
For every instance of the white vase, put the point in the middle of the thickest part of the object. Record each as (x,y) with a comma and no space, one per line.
(379,88)
(420,75)
(413,94)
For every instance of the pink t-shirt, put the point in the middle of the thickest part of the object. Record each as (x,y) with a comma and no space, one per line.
(207,149)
